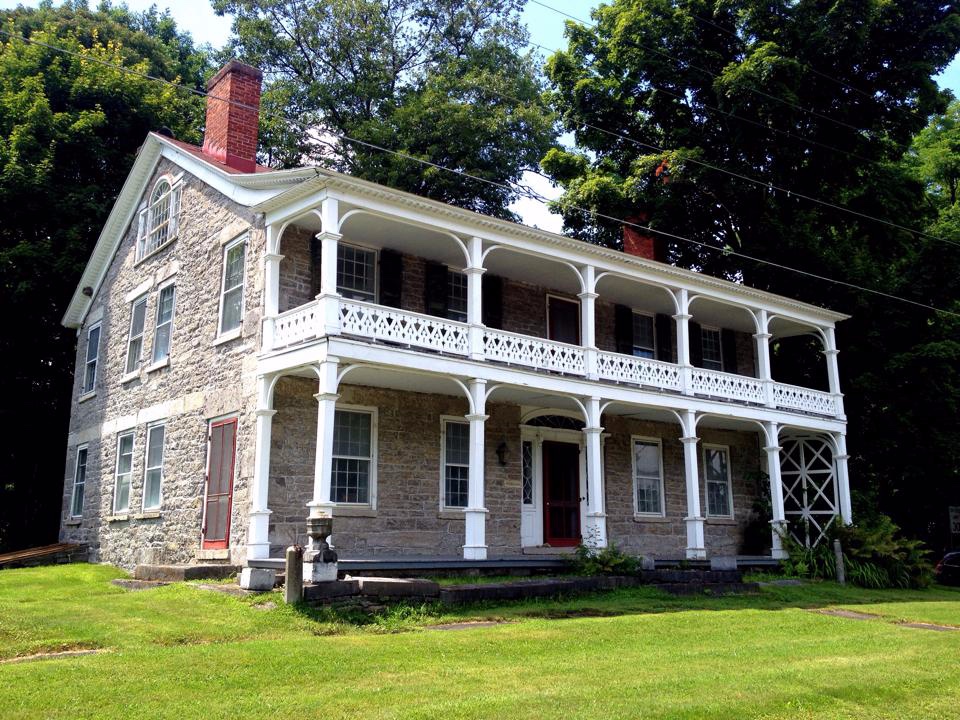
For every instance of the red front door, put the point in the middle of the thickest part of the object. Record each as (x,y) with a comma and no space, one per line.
(561,493)
(222,454)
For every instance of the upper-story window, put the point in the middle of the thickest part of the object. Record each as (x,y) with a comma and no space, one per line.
(231,293)
(138,314)
(90,365)
(644,343)
(158,221)
(712,350)
(357,273)
(457,296)
(161,335)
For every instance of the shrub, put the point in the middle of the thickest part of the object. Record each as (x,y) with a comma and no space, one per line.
(603,561)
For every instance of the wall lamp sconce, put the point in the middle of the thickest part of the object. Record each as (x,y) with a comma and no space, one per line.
(502,453)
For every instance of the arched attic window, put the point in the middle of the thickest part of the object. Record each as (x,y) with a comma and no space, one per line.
(158,221)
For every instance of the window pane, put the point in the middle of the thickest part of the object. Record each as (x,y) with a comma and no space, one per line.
(165,305)
(232,301)
(648,495)
(717,499)
(712,357)
(527,460)
(457,486)
(643,345)
(458,443)
(93,343)
(161,343)
(457,296)
(233,268)
(351,434)
(647,456)
(716,470)
(716,464)
(151,490)
(125,455)
(79,480)
(350,481)
(123,493)
(155,446)
(77,500)
(138,317)
(356,272)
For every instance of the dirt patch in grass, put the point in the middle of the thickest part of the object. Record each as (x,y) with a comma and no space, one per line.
(929,626)
(849,614)
(567,614)
(54,654)
(469,625)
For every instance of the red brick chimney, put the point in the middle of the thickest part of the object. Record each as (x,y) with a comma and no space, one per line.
(233,115)
(637,242)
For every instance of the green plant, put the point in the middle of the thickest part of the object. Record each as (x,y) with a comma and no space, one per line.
(603,561)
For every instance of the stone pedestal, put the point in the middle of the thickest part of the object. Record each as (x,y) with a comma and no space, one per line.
(319,561)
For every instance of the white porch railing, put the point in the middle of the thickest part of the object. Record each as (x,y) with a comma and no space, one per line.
(638,370)
(401,326)
(533,352)
(727,386)
(792,397)
(295,326)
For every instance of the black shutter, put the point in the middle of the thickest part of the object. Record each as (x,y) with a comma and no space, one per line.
(391,277)
(436,290)
(728,347)
(623,329)
(314,267)
(662,325)
(696,345)
(492,315)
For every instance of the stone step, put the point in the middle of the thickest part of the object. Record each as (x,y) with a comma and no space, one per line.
(691,576)
(711,588)
(179,573)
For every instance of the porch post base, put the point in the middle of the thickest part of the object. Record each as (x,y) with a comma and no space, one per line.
(260,579)
(319,571)
(258,551)
(595,530)
(696,547)
(475,545)
(779,554)
(474,552)
(696,553)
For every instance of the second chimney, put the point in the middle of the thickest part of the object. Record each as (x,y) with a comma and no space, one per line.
(233,116)
(637,242)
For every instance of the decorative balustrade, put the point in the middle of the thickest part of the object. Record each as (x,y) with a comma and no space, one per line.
(792,397)
(727,385)
(295,326)
(533,352)
(638,371)
(401,326)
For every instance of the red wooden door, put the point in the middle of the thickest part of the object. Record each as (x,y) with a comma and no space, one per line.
(220,467)
(561,494)
(563,320)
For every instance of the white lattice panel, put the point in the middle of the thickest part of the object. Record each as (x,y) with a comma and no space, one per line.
(791,397)
(727,385)
(638,370)
(382,323)
(533,352)
(810,499)
(295,326)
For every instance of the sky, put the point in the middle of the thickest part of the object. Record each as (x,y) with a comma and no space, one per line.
(546,29)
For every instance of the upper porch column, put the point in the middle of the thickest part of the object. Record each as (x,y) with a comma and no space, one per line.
(596,525)
(271,285)
(683,340)
(328,300)
(475,514)
(833,368)
(778,522)
(764,373)
(588,322)
(322,505)
(475,297)
(696,547)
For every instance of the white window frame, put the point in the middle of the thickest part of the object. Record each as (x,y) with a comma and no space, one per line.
(653,325)
(147,227)
(460,317)
(85,449)
(232,332)
(572,301)
(376,272)
(372,477)
(707,328)
(444,421)
(157,324)
(634,439)
(147,467)
(84,390)
(706,494)
(116,473)
(131,337)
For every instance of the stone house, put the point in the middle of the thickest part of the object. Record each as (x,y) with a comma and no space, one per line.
(257,345)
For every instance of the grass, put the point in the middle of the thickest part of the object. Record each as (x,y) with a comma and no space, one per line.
(181,651)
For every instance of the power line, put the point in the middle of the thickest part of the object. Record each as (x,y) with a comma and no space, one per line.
(533,195)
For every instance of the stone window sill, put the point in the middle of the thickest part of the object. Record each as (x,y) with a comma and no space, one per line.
(118,518)
(353,511)
(73,522)
(721,521)
(148,515)
(87,396)
(159,364)
(130,377)
(228,336)
(451,514)
(641,518)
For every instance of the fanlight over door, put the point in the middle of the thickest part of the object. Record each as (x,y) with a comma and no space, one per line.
(809,480)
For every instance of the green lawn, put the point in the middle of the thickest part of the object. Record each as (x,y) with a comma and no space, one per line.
(180,651)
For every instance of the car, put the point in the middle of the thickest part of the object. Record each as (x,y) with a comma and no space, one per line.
(948,570)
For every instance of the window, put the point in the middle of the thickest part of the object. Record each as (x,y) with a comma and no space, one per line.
(90,366)
(356,273)
(712,355)
(79,481)
(456,296)
(716,470)
(158,222)
(161,336)
(644,344)
(231,292)
(153,475)
(138,315)
(353,450)
(527,463)
(648,476)
(456,464)
(121,491)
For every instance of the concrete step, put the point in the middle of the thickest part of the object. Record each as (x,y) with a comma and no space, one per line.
(179,573)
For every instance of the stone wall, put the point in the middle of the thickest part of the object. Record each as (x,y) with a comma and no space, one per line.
(408,520)
(203,379)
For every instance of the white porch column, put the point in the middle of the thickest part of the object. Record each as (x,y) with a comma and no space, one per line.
(321,505)
(329,299)
(475,514)
(258,536)
(843,478)
(778,521)
(595,533)
(683,341)
(588,321)
(696,547)
(833,368)
(271,285)
(762,339)
(474,272)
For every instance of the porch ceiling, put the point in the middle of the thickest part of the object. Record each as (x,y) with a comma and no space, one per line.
(379,232)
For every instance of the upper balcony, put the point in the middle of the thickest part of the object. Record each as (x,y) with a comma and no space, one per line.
(387,280)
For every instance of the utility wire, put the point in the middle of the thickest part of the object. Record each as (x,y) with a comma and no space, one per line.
(533,195)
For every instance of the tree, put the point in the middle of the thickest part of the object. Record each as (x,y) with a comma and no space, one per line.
(820,98)
(413,76)
(70,128)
